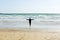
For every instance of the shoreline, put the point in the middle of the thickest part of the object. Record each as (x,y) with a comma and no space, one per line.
(31,30)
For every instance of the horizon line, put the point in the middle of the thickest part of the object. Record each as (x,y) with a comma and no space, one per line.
(29,14)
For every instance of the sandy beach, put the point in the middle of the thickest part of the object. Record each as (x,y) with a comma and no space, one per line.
(10,34)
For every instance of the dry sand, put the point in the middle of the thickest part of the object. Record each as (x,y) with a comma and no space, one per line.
(9,34)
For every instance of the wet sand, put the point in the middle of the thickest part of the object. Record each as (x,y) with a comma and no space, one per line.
(12,34)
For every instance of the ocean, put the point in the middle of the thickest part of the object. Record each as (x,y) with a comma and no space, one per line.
(42,21)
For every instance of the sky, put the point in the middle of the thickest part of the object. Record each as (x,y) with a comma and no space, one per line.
(29,6)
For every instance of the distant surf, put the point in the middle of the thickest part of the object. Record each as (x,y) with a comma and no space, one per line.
(43,21)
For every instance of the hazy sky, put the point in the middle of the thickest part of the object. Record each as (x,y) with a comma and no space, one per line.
(38,6)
